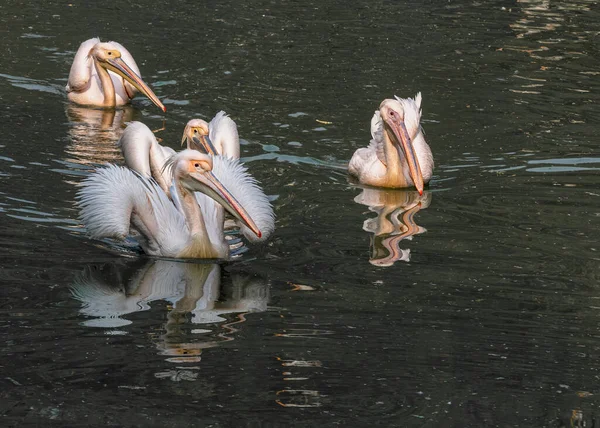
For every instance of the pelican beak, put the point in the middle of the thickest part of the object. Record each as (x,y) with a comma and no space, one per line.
(210,185)
(117,65)
(202,144)
(404,146)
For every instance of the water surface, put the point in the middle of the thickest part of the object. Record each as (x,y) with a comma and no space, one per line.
(473,305)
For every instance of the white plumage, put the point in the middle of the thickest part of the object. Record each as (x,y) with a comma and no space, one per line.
(230,171)
(223,139)
(224,135)
(397,155)
(116,202)
(106,75)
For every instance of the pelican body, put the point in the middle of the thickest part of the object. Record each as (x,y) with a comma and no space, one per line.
(106,75)
(144,155)
(116,202)
(220,138)
(398,155)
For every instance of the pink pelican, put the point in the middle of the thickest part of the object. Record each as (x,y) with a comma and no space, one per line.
(220,138)
(144,155)
(105,75)
(398,155)
(115,201)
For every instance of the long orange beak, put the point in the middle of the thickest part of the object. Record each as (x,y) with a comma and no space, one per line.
(405,147)
(210,185)
(117,65)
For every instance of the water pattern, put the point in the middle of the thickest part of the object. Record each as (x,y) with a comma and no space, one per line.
(475,304)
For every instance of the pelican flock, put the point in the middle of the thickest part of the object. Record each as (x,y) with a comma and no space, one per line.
(175,204)
(154,199)
(106,75)
(398,155)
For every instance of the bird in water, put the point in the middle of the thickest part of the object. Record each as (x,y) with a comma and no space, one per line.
(220,138)
(144,155)
(106,75)
(398,155)
(116,202)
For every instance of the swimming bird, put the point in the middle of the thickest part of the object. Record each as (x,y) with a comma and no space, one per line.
(398,155)
(220,137)
(116,201)
(146,156)
(106,75)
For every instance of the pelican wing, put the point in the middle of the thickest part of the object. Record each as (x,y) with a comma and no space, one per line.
(245,188)
(376,144)
(224,135)
(81,69)
(115,200)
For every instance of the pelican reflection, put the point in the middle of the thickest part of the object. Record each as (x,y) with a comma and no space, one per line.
(93,133)
(395,221)
(197,295)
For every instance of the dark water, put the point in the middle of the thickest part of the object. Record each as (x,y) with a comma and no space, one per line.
(475,305)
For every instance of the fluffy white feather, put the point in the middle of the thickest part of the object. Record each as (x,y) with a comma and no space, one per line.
(115,200)
(224,135)
(246,190)
(377,164)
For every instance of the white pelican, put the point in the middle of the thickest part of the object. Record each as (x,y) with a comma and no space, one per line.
(146,156)
(115,201)
(398,155)
(105,75)
(219,137)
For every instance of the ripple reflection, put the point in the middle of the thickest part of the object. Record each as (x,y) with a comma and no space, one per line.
(93,134)
(394,222)
(198,299)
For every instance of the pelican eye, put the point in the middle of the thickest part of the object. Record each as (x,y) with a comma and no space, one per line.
(197,165)
(109,53)
(195,131)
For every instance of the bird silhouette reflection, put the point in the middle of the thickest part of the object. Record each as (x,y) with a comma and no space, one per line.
(395,222)
(93,134)
(197,295)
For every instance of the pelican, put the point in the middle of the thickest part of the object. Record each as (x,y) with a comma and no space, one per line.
(146,156)
(219,137)
(398,155)
(116,200)
(105,75)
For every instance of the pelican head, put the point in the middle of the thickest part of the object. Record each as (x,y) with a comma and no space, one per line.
(108,56)
(401,120)
(195,135)
(193,170)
